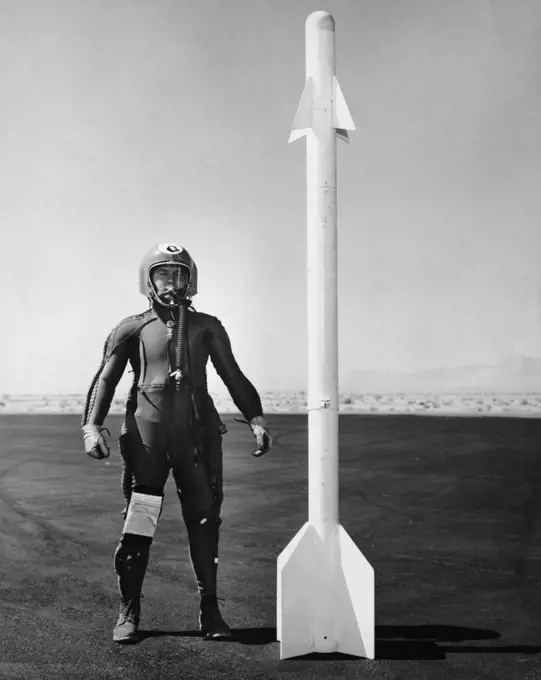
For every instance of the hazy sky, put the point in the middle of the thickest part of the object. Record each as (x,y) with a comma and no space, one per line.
(126,123)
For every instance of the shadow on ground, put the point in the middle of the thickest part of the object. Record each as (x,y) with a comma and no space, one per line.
(415,643)
(243,636)
(427,642)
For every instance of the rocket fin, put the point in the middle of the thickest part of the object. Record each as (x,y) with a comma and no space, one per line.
(325,603)
(356,633)
(342,119)
(303,118)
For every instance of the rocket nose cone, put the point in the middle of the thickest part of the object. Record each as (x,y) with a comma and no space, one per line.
(320,21)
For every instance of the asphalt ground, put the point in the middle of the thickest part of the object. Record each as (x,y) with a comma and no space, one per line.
(447,511)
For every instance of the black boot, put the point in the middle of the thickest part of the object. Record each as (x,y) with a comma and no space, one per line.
(126,629)
(203,540)
(210,620)
(131,560)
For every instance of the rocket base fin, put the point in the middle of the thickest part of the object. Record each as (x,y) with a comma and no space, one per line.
(324,603)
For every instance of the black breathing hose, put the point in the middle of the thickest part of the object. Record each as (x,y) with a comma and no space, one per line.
(181,343)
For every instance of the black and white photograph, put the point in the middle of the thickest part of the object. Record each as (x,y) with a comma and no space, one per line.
(270,352)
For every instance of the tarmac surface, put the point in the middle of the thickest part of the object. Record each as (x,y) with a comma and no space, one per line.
(447,510)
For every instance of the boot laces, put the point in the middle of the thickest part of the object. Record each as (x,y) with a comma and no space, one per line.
(130,610)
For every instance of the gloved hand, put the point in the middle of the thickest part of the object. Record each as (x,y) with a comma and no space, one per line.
(95,444)
(260,430)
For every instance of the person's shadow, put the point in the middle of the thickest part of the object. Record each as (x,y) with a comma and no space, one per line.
(415,643)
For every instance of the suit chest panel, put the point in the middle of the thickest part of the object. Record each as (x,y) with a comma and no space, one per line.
(154,346)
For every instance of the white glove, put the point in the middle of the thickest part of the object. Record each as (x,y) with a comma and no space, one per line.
(263,438)
(95,444)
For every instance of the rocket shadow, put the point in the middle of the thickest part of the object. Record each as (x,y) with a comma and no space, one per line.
(434,642)
(427,643)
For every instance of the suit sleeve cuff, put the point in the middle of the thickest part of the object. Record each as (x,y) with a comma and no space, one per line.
(258,420)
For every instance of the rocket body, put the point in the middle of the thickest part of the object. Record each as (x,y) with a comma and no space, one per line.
(321,222)
(325,585)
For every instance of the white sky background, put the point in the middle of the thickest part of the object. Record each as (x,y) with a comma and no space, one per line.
(128,123)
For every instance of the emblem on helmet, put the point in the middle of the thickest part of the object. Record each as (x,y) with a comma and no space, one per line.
(169,248)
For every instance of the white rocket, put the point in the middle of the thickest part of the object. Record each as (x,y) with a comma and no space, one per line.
(325,598)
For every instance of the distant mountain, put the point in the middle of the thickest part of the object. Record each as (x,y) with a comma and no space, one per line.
(517,374)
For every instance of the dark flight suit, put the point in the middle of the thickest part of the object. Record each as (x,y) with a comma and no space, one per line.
(168,428)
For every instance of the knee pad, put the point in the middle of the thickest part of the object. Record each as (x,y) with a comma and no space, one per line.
(143,513)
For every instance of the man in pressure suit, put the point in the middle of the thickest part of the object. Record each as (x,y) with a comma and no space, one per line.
(170,423)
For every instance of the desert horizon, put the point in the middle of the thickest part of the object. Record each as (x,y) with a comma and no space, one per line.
(522,404)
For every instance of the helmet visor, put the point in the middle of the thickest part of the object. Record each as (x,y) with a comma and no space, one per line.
(169,281)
